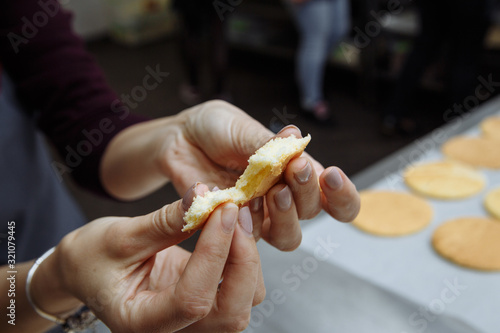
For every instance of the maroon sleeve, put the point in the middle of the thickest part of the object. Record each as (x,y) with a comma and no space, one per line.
(61,84)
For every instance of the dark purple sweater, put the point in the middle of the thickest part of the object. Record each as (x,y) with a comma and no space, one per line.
(58,82)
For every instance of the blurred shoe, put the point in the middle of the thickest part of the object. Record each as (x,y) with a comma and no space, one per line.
(189,94)
(408,127)
(320,113)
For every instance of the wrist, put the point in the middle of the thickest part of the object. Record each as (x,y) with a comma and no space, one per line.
(48,290)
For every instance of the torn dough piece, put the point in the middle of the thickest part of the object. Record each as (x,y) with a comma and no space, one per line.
(387,213)
(264,169)
(444,180)
(472,242)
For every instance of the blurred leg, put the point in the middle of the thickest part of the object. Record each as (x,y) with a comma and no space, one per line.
(341,21)
(314,22)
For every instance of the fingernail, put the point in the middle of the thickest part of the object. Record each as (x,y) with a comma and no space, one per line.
(283,199)
(245,219)
(229,214)
(333,179)
(304,174)
(289,127)
(187,200)
(215,189)
(255,204)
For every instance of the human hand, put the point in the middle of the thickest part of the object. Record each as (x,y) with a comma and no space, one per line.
(213,144)
(134,278)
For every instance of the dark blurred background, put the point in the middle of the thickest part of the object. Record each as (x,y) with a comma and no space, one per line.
(360,79)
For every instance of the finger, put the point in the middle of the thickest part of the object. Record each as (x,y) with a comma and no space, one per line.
(256,206)
(303,181)
(294,130)
(192,298)
(256,209)
(238,289)
(283,231)
(141,237)
(339,198)
(260,291)
(251,138)
(197,287)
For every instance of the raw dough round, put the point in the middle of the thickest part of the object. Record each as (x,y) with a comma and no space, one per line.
(387,213)
(480,152)
(492,203)
(444,180)
(491,127)
(472,242)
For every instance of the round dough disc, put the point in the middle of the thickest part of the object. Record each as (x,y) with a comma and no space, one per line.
(480,152)
(491,127)
(472,242)
(492,203)
(387,213)
(444,180)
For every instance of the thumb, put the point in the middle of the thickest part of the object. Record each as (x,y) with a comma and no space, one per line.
(252,138)
(141,237)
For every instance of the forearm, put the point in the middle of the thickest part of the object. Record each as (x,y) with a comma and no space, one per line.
(46,292)
(132,165)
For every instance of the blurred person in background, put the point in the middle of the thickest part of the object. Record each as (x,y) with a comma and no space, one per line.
(321,24)
(203,36)
(456,27)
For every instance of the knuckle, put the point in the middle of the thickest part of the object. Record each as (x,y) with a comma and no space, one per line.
(354,213)
(193,309)
(348,213)
(213,253)
(259,297)
(247,258)
(309,212)
(217,103)
(161,220)
(236,323)
(121,246)
(287,245)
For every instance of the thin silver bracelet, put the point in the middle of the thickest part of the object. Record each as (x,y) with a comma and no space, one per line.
(81,320)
